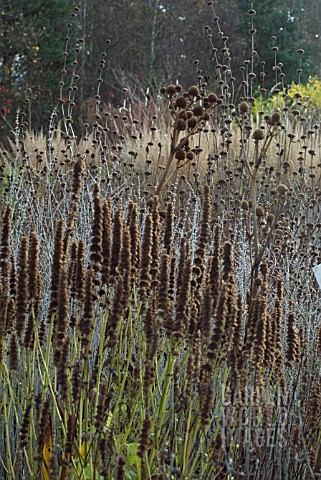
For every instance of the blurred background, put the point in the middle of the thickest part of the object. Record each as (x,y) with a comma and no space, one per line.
(153,42)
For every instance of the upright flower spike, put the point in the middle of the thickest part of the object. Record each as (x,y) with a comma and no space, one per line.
(73,269)
(125,266)
(61,324)
(77,183)
(4,246)
(116,245)
(199,261)
(145,437)
(23,438)
(96,256)
(145,276)
(133,222)
(155,252)
(80,271)
(181,322)
(57,262)
(220,324)
(22,286)
(86,324)
(14,353)
(115,313)
(163,288)
(106,240)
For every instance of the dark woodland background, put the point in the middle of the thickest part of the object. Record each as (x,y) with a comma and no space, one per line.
(152,42)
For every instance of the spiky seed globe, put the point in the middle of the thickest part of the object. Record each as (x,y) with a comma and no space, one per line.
(276,117)
(181,102)
(258,134)
(198,110)
(245,205)
(212,98)
(259,211)
(191,122)
(194,91)
(244,107)
(171,90)
(180,155)
(181,124)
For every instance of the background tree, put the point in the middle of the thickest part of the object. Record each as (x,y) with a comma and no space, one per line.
(154,42)
(32,43)
(288,22)
(312,15)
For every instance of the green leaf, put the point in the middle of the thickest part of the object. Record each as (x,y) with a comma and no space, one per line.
(88,473)
(133,459)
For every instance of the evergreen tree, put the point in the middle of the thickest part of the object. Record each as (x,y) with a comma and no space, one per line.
(282,25)
(32,43)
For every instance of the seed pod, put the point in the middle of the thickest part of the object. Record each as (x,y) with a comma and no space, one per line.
(259,211)
(244,107)
(181,124)
(171,90)
(245,205)
(198,110)
(270,218)
(194,91)
(282,189)
(212,98)
(180,155)
(191,122)
(258,134)
(276,117)
(181,102)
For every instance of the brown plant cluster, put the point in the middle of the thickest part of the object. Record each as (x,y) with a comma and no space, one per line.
(169,308)
(159,313)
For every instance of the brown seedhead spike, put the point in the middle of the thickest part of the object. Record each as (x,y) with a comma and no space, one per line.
(22,286)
